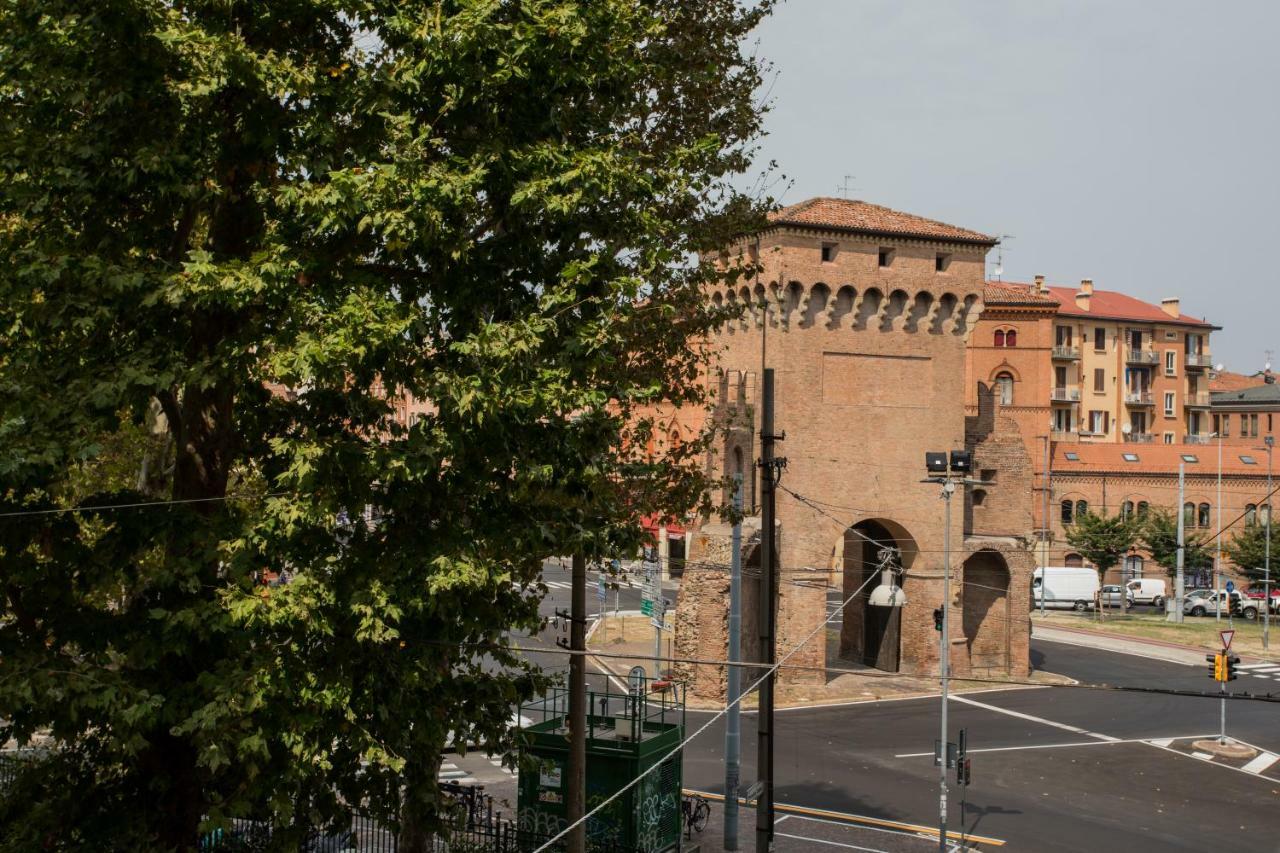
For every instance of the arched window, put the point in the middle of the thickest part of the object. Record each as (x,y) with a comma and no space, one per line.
(1004,388)
(1082,509)
(1011,338)
(1126,510)
(1132,567)
(1143,509)
(1189,514)
(1068,513)
(999,337)
(979,497)
(1250,514)
(1074,561)
(1202,515)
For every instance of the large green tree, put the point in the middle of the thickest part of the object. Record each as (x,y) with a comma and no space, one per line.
(1103,540)
(1158,533)
(232,232)
(1247,548)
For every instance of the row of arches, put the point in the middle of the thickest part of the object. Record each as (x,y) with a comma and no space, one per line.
(847,307)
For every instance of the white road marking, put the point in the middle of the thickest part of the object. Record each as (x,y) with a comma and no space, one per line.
(1215,763)
(832,843)
(1073,729)
(1263,665)
(1262,762)
(1163,742)
(448,765)
(1203,756)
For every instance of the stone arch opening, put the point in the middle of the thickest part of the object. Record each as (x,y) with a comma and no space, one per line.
(985,605)
(872,635)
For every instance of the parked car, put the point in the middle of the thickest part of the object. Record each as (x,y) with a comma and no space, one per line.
(1064,586)
(1256,593)
(1147,591)
(1210,601)
(1114,595)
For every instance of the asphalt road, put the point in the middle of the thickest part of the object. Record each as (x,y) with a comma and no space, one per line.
(1054,769)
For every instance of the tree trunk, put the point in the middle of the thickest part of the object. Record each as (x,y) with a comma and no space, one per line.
(419,806)
(171,762)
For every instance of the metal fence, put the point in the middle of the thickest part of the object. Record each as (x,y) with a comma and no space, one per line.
(476,827)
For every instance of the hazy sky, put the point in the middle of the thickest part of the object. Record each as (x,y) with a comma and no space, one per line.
(1130,142)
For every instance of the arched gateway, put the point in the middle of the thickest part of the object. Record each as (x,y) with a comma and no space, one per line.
(873,635)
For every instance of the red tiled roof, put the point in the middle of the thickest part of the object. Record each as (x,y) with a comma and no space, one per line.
(1009,293)
(1154,459)
(1111,305)
(853,215)
(1228,381)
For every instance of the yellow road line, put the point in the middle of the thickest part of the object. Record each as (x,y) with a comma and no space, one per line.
(859,819)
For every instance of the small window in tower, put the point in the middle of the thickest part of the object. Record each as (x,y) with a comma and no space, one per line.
(941,262)
(886,257)
(828,252)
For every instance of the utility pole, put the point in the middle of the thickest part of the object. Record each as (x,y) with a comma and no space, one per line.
(575,807)
(1270,442)
(1048,486)
(1217,560)
(766,619)
(1179,586)
(732,727)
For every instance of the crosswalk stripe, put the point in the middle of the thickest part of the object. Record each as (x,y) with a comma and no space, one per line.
(448,765)
(1262,762)
(1264,665)
(1203,756)
(452,774)
(1164,741)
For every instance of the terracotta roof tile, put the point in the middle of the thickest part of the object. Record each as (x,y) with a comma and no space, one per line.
(1153,459)
(853,215)
(1111,305)
(1228,381)
(1009,293)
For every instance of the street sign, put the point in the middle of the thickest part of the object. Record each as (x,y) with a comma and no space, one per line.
(635,680)
(601,589)
(754,792)
(1227,637)
(1231,586)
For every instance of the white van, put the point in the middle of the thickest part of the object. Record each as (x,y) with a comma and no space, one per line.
(1147,591)
(1064,586)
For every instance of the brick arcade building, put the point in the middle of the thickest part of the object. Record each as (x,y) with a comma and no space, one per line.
(864,313)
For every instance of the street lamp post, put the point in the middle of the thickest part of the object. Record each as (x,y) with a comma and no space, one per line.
(1270,442)
(1217,560)
(944,472)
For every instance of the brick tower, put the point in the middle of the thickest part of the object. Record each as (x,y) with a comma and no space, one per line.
(863,313)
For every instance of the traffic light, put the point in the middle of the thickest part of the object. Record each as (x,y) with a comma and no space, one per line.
(1213,666)
(963,770)
(937,618)
(1219,667)
(1230,667)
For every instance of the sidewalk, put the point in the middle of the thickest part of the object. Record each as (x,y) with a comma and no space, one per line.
(628,641)
(1141,646)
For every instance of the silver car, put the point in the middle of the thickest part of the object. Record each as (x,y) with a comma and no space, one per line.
(1116,596)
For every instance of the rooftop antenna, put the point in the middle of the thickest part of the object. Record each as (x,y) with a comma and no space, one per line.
(999,270)
(845,187)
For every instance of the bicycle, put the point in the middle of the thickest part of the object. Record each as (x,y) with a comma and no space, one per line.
(696,811)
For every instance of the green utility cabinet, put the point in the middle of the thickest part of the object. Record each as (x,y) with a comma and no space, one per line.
(627,734)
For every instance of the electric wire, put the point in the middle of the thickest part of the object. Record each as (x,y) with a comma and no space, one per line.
(680,746)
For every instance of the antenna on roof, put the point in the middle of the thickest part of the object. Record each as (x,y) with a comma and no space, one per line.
(999,270)
(845,187)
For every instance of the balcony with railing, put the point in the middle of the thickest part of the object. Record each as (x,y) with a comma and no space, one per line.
(1138,398)
(1139,438)
(1198,438)
(1064,395)
(1199,360)
(1198,401)
(1141,356)
(1064,435)
(1066,353)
